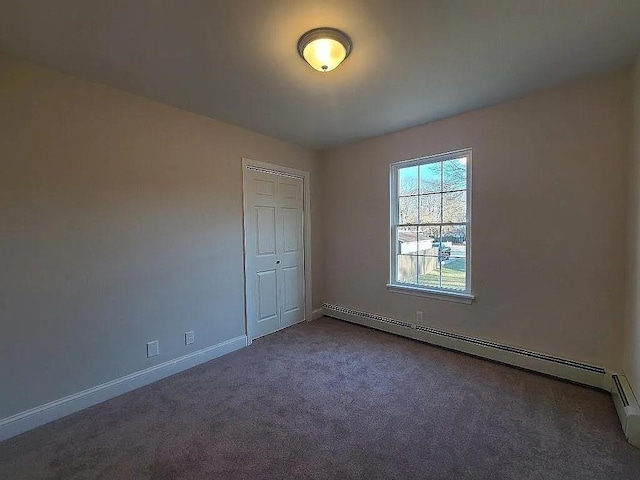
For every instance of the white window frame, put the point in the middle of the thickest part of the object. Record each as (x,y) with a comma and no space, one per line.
(462,296)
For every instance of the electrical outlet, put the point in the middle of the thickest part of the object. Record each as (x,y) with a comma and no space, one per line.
(418,316)
(153,349)
(189,338)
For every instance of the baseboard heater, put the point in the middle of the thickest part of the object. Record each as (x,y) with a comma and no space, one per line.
(627,408)
(538,362)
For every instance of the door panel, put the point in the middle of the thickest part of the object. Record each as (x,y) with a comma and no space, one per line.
(290,229)
(265,188)
(291,299)
(261,242)
(290,203)
(288,189)
(274,223)
(266,230)
(266,298)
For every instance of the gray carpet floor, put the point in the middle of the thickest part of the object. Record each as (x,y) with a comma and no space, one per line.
(330,400)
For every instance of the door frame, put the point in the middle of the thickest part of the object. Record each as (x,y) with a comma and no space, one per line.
(306,237)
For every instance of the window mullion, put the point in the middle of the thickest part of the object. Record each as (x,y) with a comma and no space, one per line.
(419,191)
(441,222)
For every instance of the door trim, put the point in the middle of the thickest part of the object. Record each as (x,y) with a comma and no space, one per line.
(306,222)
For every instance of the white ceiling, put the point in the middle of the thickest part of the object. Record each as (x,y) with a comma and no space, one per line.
(412,61)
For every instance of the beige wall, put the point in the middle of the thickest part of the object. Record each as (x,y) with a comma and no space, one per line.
(121,224)
(632,327)
(549,195)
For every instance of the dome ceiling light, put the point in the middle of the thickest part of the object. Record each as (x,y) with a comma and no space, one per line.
(324,48)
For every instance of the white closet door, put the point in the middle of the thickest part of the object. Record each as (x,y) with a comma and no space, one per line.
(274,251)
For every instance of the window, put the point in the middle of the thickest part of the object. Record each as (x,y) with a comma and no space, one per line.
(430,226)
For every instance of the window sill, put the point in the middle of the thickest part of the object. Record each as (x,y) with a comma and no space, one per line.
(458,297)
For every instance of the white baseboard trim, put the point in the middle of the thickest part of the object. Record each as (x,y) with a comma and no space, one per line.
(34,417)
(538,362)
(316,314)
(627,407)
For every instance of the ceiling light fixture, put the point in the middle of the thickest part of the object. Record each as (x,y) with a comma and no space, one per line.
(324,48)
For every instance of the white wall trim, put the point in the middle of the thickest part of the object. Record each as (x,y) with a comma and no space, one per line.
(563,368)
(34,417)
(458,297)
(316,314)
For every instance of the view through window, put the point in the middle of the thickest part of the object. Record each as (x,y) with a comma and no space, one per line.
(430,222)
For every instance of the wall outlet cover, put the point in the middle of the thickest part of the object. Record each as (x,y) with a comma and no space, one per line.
(189,338)
(153,349)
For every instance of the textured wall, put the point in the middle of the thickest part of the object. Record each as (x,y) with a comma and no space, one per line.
(121,223)
(549,221)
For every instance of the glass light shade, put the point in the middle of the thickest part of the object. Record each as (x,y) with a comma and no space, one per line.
(324,48)
(324,54)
